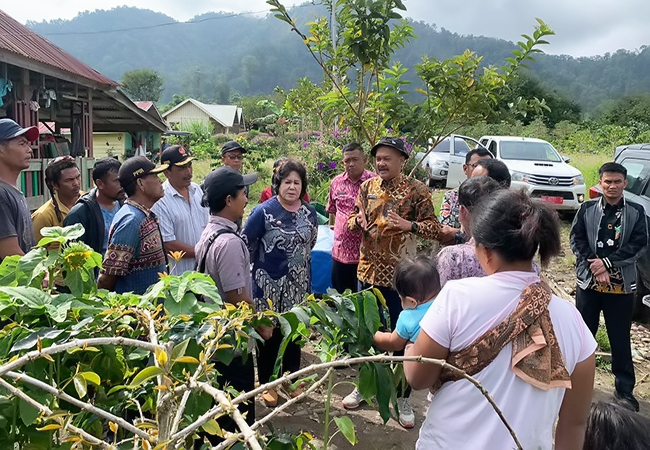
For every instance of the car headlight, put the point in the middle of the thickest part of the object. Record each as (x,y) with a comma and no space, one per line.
(520,176)
(578,180)
(441,163)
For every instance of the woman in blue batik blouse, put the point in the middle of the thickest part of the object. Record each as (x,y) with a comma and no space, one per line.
(280,234)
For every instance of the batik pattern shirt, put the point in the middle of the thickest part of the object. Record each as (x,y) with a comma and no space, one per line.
(449,210)
(456,262)
(608,242)
(382,245)
(135,253)
(343,194)
(280,243)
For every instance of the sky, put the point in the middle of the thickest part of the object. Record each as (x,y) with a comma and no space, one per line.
(582,27)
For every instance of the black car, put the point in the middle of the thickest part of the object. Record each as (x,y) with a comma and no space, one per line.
(636,159)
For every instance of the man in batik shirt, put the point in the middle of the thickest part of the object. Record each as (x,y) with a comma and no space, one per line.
(392,211)
(343,195)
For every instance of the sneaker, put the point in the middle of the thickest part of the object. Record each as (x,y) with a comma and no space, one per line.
(627,400)
(405,413)
(353,399)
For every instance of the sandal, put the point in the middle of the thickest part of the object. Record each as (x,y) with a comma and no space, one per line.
(270,398)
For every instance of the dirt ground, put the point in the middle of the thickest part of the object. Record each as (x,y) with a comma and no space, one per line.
(373,434)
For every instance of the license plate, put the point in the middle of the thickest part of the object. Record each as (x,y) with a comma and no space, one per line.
(554,200)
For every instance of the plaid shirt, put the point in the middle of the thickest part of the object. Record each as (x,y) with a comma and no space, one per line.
(382,245)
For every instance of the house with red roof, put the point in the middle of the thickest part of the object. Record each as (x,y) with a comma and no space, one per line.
(42,85)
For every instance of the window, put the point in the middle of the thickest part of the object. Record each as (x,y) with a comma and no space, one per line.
(460,147)
(637,174)
(529,151)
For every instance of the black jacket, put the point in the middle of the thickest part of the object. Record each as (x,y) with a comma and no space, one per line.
(634,241)
(88,213)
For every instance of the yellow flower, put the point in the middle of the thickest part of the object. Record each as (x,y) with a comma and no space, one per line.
(177,256)
(76,255)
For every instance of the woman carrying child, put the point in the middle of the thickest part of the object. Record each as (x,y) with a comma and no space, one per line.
(528,348)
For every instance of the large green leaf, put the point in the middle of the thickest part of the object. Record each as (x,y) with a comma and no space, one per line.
(367,382)
(31,340)
(185,307)
(371,313)
(29,296)
(347,428)
(144,375)
(384,385)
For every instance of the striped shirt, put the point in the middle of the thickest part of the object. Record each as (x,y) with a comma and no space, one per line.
(181,220)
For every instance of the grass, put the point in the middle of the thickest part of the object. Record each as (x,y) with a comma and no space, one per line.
(588,164)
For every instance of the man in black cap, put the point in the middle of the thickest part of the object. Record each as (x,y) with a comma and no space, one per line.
(232,155)
(222,254)
(16,232)
(135,254)
(392,211)
(181,216)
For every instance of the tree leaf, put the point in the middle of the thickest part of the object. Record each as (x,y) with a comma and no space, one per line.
(144,375)
(347,428)
(80,385)
(371,313)
(213,428)
(180,349)
(187,360)
(91,377)
(50,427)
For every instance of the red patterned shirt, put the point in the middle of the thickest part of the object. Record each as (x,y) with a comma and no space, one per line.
(343,194)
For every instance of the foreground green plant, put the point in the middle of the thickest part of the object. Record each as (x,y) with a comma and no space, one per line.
(92,368)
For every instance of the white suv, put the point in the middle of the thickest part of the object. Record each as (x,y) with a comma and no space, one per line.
(537,167)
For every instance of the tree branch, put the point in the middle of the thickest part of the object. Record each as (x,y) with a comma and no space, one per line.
(213,412)
(22,377)
(232,439)
(77,343)
(48,412)
(220,397)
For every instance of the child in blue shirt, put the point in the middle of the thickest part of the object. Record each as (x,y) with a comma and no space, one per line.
(417,282)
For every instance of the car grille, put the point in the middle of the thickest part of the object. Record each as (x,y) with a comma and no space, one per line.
(549,180)
(564,194)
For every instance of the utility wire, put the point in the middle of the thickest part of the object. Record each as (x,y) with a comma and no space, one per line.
(166,24)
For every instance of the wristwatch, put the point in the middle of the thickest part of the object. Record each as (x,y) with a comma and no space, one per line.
(414,227)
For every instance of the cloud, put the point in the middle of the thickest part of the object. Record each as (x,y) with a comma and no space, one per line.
(583,27)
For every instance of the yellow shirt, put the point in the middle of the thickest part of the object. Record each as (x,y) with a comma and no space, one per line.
(45,216)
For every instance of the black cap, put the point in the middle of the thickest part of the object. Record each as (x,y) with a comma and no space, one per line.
(137,167)
(176,155)
(230,146)
(10,129)
(388,141)
(222,180)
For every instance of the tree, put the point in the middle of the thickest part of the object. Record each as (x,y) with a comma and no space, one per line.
(143,85)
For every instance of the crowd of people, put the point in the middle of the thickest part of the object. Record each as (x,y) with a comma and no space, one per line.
(481,303)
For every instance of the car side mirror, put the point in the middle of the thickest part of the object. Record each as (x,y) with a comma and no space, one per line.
(566,159)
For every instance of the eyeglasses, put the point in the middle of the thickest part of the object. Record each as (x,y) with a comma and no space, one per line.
(473,166)
(236,157)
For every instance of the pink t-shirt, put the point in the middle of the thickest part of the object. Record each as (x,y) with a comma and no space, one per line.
(343,194)
(459,417)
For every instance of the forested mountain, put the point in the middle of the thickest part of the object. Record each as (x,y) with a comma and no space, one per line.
(219,54)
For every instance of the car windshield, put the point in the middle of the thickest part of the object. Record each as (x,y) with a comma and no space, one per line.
(442,147)
(529,151)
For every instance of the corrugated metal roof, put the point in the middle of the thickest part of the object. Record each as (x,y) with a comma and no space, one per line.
(17,38)
(224,114)
(144,105)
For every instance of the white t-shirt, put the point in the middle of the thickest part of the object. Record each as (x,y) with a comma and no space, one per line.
(459,417)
